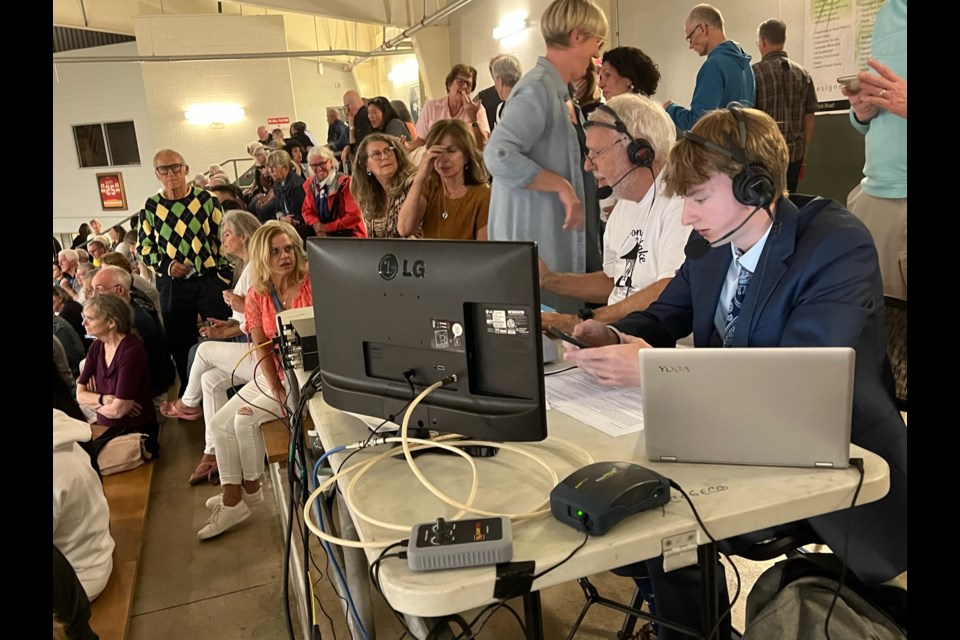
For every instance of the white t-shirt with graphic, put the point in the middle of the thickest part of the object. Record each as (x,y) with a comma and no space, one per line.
(643,244)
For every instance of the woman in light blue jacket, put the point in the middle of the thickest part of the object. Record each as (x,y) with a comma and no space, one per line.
(533,154)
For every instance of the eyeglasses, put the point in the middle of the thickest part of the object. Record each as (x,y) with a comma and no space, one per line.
(378,155)
(593,158)
(164,169)
(319,165)
(465,81)
(693,31)
(276,251)
(102,289)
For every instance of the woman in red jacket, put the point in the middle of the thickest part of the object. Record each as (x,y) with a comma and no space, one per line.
(328,205)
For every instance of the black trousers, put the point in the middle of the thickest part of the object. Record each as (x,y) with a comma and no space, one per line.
(181,301)
(793,175)
(70,603)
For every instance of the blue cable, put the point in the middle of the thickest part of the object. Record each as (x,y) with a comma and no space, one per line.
(326,545)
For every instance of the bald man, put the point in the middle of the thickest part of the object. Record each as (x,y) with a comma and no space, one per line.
(338,133)
(360,126)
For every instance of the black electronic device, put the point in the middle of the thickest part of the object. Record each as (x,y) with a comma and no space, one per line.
(395,316)
(566,337)
(598,496)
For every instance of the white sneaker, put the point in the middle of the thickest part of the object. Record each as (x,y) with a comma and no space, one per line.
(250,498)
(224,518)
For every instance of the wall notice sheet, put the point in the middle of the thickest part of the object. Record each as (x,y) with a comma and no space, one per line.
(615,411)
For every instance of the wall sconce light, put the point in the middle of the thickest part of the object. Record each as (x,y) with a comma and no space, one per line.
(511,24)
(404,73)
(214,114)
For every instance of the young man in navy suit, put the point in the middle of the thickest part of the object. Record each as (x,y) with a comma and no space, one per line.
(813,281)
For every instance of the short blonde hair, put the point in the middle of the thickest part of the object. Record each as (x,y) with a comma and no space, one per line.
(258,251)
(563,16)
(692,164)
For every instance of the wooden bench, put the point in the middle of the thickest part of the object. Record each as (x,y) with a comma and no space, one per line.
(128,495)
(276,441)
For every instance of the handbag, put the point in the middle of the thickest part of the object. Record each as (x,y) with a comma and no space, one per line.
(122,453)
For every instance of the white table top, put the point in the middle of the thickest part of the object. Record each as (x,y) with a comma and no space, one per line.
(731,500)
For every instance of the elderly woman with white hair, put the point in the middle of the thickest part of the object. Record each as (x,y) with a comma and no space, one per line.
(328,205)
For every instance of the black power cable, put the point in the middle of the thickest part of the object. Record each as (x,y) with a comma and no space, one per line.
(858,463)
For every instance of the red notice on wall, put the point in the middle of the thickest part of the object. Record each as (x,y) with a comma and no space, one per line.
(278,120)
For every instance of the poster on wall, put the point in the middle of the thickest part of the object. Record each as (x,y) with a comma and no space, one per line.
(837,42)
(112,195)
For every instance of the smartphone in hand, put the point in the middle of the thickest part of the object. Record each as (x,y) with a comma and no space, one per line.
(852,83)
(566,337)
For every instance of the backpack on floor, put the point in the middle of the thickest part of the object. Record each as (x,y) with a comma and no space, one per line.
(790,601)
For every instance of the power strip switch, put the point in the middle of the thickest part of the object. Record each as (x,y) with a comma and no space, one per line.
(461,543)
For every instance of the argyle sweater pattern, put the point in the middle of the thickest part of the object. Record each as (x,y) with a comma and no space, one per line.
(186,230)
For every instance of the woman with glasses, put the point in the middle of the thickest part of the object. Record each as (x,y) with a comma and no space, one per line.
(115,381)
(280,280)
(328,205)
(534,155)
(384,118)
(457,104)
(383,177)
(449,197)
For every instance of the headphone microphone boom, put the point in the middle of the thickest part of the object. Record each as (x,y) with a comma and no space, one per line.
(606,191)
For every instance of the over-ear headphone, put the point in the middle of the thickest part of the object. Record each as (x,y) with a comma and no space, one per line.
(639,151)
(753,185)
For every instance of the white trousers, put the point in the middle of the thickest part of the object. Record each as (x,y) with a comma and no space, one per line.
(210,379)
(236,432)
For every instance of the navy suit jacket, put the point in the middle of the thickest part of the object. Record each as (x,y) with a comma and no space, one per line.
(817,284)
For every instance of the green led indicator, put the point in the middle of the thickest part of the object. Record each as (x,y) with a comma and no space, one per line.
(579,513)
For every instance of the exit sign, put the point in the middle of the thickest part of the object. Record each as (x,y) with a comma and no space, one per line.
(278,120)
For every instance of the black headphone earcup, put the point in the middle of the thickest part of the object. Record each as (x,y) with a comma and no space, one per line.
(753,186)
(640,153)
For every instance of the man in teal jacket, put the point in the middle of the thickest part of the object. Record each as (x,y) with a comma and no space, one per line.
(725,77)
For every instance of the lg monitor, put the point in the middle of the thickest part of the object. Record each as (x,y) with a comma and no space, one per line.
(394,316)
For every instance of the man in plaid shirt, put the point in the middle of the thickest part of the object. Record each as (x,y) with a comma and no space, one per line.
(785,91)
(180,238)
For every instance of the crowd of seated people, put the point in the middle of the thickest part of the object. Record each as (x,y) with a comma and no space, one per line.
(540,170)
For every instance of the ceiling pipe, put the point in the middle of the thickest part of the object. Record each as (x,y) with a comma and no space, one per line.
(427,20)
(230,56)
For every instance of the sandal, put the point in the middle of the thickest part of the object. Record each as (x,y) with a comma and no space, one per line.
(206,470)
(171,410)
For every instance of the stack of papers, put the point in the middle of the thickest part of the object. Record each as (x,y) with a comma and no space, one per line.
(615,411)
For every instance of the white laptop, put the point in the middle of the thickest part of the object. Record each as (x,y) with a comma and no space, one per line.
(787,407)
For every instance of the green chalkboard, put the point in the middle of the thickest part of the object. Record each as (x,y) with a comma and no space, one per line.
(835,158)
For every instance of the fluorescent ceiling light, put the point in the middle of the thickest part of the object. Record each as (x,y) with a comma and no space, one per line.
(214,113)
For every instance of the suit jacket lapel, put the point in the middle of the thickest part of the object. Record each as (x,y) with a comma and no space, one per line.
(712,270)
(770,270)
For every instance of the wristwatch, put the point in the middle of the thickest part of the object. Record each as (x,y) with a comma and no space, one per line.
(586,313)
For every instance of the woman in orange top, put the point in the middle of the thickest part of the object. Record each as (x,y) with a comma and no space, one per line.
(450,197)
(280,281)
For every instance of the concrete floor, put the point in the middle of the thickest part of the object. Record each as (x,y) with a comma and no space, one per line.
(231,586)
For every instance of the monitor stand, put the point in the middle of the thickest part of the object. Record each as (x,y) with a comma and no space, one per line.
(422,433)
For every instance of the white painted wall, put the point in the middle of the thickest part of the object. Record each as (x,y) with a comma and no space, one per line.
(85,94)
(313,92)
(262,87)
